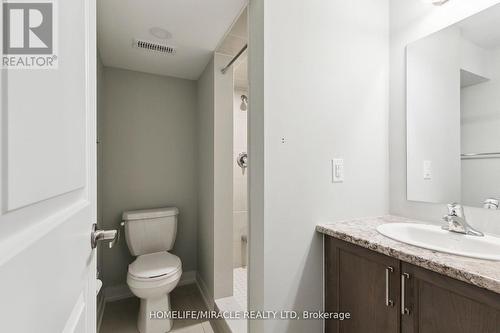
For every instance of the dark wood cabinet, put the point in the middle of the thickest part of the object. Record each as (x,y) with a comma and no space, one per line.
(385,295)
(363,283)
(439,304)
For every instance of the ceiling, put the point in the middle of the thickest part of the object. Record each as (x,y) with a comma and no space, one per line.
(234,41)
(482,29)
(197,28)
(236,38)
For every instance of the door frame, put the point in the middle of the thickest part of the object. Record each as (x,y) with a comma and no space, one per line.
(91,145)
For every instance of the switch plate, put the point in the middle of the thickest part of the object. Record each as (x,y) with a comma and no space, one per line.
(337,170)
(427,170)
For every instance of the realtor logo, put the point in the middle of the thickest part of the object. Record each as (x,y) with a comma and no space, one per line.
(28,34)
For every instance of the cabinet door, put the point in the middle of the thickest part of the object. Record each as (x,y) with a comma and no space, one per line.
(363,283)
(438,304)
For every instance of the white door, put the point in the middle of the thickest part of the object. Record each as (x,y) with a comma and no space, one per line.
(48,182)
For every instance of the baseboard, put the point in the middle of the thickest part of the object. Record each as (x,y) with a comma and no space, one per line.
(122,291)
(188,277)
(221,325)
(205,294)
(116,293)
(101,304)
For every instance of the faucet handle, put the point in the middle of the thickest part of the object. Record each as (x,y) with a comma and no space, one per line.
(491,203)
(455,209)
(456,221)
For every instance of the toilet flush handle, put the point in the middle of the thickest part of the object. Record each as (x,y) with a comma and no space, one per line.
(103,235)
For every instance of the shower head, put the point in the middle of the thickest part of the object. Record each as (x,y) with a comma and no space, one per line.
(244,103)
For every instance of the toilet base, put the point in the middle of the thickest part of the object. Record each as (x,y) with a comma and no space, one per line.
(152,315)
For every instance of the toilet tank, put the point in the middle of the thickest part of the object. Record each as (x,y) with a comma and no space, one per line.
(150,230)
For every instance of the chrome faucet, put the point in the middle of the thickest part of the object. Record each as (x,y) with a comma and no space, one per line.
(456,222)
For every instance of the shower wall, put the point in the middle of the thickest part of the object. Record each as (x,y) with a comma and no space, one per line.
(240,207)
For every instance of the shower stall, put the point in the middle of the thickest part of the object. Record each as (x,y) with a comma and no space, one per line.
(234,48)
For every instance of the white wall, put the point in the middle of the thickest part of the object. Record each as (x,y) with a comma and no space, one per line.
(433,117)
(149,158)
(410,21)
(474,59)
(319,90)
(240,181)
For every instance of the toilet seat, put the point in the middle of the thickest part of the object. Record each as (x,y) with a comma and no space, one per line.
(154,274)
(155,285)
(155,266)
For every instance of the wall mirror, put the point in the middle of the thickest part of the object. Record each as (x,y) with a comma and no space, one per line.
(453,113)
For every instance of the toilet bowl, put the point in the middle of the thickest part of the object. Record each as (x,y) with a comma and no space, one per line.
(151,277)
(155,272)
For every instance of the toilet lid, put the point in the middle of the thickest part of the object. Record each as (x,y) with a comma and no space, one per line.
(154,264)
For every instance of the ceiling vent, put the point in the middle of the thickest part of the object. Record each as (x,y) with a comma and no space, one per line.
(155,47)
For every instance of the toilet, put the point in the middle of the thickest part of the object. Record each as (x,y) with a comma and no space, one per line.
(155,272)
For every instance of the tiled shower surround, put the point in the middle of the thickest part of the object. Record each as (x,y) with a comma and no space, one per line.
(240,206)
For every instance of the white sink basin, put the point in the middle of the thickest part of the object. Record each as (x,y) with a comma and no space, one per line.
(434,238)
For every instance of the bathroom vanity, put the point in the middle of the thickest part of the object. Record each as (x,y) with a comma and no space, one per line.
(392,287)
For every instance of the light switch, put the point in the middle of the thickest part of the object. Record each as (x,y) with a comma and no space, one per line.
(427,170)
(337,170)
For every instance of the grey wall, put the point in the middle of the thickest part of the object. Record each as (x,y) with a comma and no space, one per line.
(99,110)
(256,162)
(205,122)
(410,21)
(149,158)
(100,113)
(327,99)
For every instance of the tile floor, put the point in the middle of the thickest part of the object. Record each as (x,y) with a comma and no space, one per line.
(121,316)
(240,287)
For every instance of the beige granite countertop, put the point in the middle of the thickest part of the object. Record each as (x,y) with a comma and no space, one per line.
(363,232)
